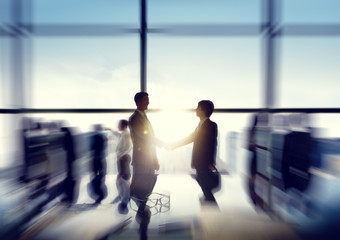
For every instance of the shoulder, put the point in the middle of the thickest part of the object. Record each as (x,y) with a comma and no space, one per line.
(133,116)
(126,134)
(211,125)
(135,120)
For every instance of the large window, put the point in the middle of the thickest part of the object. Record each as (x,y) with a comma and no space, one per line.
(310,72)
(85,72)
(4,72)
(182,71)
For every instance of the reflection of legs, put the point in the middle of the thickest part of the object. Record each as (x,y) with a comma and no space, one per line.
(123,187)
(141,187)
(142,184)
(125,191)
(144,222)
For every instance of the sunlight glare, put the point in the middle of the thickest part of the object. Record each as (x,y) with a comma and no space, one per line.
(172,125)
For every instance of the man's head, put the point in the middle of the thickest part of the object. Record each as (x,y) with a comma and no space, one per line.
(142,100)
(98,127)
(123,124)
(204,108)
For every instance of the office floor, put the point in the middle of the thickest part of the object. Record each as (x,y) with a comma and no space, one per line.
(176,213)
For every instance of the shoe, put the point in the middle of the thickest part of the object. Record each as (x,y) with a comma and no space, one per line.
(122,208)
(204,200)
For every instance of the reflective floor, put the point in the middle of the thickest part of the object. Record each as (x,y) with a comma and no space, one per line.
(176,212)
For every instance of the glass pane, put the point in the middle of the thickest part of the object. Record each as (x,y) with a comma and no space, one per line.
(326,143)
(3,140)
(182,71)
(10,155)
(4,11)
(310,72)
(85,72)
(326,125)
(232,154)
(203,11)
(231,127)
(86,11)
(82,122)
(5,67)
(311,11)
(81,126)
(173,125)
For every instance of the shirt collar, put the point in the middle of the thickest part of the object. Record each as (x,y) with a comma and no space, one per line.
(141,112)
(202,121)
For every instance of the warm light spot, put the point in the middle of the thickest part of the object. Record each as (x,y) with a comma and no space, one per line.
(172,125)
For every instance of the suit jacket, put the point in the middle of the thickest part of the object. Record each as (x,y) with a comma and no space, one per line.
(143,139)
(205,145)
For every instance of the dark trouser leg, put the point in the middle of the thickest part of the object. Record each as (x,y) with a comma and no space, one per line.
(98,186)
(208,194)
(252,176)
(203,181)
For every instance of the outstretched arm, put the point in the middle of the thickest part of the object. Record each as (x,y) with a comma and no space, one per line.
(158,142)
(181,142)
(115,133)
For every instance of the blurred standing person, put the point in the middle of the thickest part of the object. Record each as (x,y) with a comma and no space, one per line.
(251,146)
(26,127)
(98,146)
(123,151)
(70,180)
(144,159)
(204,150)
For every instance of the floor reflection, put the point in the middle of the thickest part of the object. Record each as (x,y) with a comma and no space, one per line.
(174,211)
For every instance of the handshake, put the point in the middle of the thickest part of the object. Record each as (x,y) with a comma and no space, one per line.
(167,145)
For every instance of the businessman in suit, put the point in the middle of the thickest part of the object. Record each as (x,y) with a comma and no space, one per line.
(144,159)
(204,148)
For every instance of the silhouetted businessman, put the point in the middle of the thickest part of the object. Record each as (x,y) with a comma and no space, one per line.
(144,159)
(204,149)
